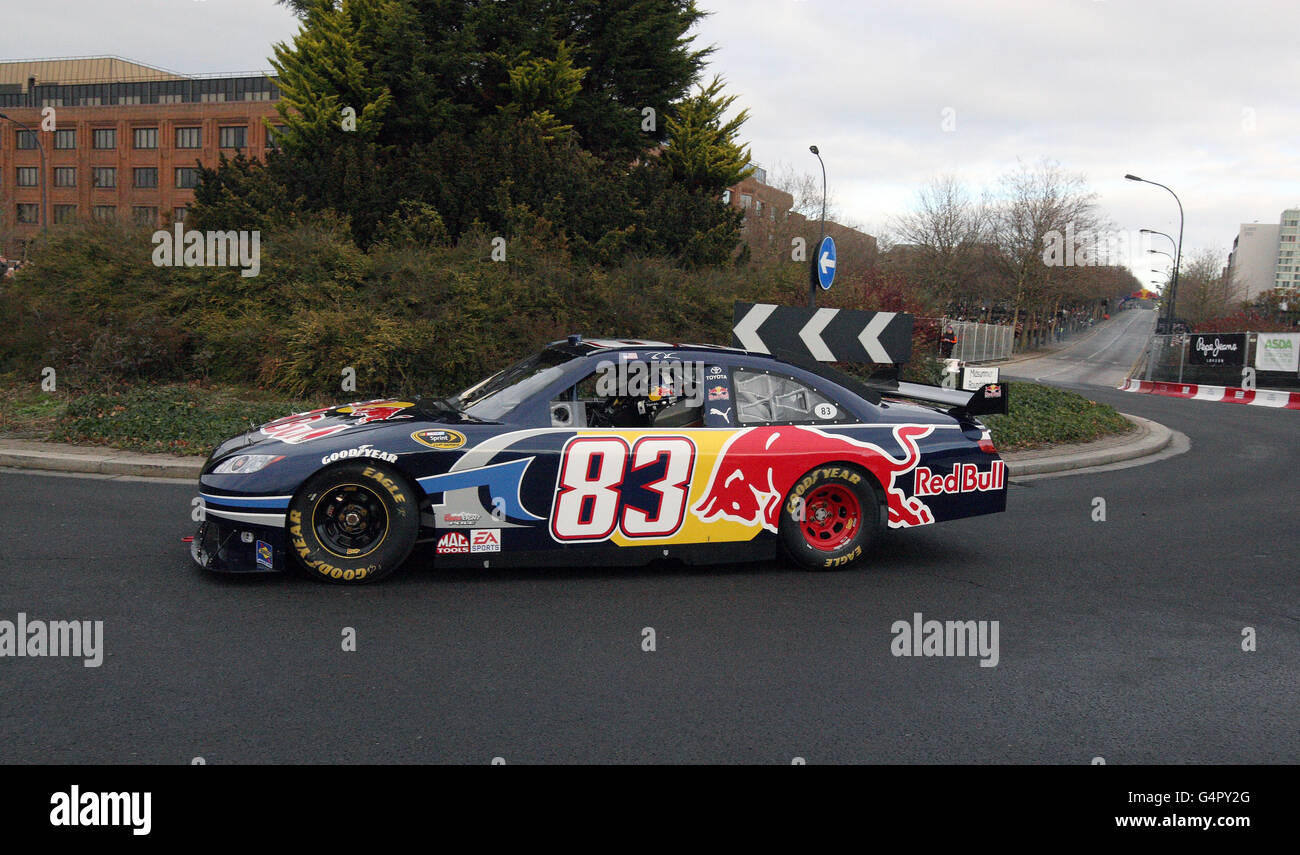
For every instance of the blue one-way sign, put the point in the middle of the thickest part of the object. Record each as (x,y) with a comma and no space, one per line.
(824,263)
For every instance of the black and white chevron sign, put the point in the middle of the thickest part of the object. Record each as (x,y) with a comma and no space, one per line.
(826,335)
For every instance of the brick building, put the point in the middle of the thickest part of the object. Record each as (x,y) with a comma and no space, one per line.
(126,142)
(770,224)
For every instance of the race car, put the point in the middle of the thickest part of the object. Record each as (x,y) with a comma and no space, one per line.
(603,451)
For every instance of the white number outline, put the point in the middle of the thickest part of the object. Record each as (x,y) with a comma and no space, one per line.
(665,486)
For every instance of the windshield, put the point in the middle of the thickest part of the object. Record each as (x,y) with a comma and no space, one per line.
(492,398)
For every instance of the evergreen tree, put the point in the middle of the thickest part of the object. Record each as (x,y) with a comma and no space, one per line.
(702,150)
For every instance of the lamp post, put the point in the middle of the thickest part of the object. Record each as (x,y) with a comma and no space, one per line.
(45,185)
(1172,242)
(1178,261)
(812,282)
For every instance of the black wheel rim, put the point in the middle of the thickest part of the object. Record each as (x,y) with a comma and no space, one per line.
(350,520)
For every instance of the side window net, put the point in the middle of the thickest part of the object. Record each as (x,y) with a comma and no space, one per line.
(773,398)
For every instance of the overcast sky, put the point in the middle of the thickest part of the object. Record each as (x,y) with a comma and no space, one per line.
(1201,96)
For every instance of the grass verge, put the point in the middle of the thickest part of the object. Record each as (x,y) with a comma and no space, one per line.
(192,419)
(1043,415)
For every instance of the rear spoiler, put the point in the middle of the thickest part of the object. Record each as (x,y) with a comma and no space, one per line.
(989,399)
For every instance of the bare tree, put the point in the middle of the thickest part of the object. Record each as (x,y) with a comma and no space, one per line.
(1037,205)
(806,188)
(946,237)
(1203,290)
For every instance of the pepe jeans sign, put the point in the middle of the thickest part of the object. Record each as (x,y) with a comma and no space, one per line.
(1278,352)
(1217,349)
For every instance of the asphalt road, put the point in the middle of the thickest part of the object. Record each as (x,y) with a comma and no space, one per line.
(1118,639)
(1101,359)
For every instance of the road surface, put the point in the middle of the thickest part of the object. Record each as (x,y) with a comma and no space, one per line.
(1103,358)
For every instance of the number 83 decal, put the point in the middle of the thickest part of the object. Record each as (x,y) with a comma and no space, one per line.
(606,486)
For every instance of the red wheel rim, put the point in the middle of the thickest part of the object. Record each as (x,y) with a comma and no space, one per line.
(832,517)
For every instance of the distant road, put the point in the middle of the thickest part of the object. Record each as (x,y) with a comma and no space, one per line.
(1102,359)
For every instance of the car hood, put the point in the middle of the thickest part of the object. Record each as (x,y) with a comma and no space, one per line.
(293,430)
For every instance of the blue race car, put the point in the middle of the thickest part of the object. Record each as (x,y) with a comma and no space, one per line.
(600,451)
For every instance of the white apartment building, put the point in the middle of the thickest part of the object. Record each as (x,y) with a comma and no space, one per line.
(1266,256)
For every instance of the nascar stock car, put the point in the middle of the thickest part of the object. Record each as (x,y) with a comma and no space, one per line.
(599,451)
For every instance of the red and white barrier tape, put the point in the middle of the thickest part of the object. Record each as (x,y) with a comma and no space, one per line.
(1223,394)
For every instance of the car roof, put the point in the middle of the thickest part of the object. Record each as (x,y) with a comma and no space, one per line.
(576,346)
(585,346)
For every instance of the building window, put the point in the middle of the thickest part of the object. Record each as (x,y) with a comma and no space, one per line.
(128,99)
(105,176)
(26,140)
(258,95)
(145,176)
(173,98)
(273,135)
(65,139)
(746,200)
(104,213)
(234,137)
(64,214)
(146,137)
(65,176)
(211,97)
(52,102)
(104,138)
(189,137)
(29,213)
(187,177)
(28,176)
(178,214)
(143,215)
(726,197)
(90,101)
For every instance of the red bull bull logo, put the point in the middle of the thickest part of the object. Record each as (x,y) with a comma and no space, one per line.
(304,427)
(759,466)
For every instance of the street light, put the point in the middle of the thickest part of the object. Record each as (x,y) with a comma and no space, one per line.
(812,281)
(1172,242)
(45,185)
(1161,252)
(1178,261)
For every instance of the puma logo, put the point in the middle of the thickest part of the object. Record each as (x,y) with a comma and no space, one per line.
(726,415)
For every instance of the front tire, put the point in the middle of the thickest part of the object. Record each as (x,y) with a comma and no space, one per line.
(353,523)
(830,518)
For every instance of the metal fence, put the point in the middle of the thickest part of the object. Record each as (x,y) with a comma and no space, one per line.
(980,342)
(1166,360)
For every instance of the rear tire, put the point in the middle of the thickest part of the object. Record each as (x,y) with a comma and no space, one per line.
(353,523)
(830,518)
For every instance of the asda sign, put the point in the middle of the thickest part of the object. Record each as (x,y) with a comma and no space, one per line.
(1278,352)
